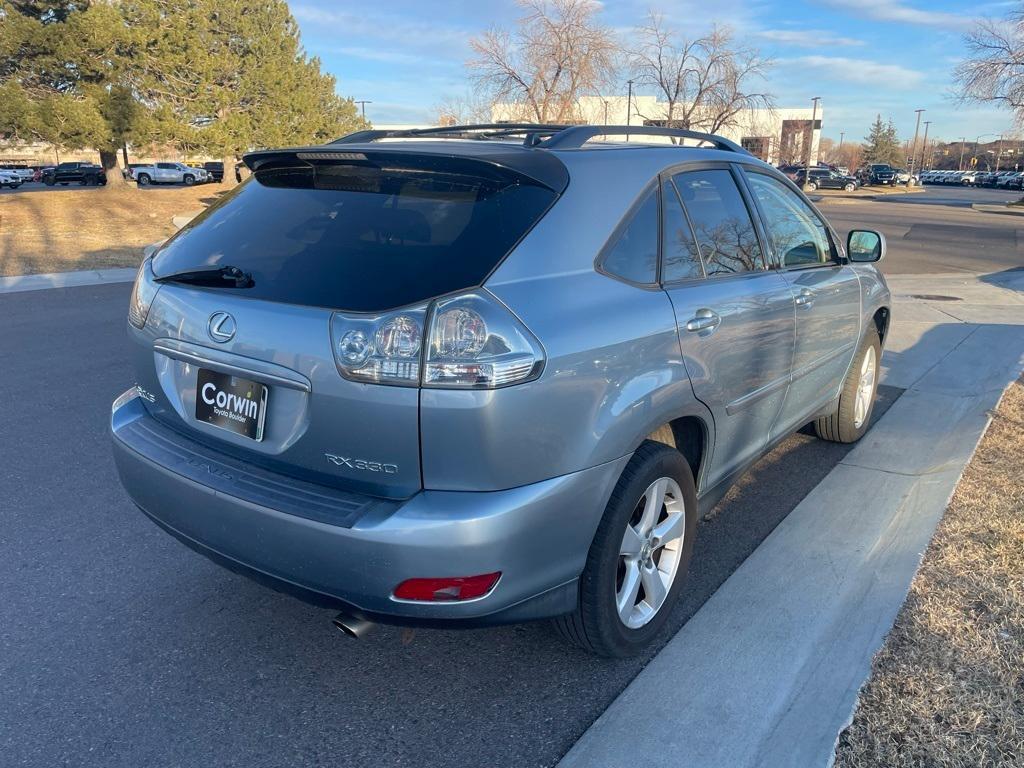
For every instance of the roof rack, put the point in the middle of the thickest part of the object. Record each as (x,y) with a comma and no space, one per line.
(543,135)
(533,133)
(575,136)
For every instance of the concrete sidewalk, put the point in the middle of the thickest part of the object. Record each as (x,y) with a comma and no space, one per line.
(767,672)
(17,283)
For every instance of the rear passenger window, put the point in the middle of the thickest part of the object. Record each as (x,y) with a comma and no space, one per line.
(725,232)
(634,256)
(681,260)
(797,235)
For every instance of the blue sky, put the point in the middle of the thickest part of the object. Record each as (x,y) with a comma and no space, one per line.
(863,57)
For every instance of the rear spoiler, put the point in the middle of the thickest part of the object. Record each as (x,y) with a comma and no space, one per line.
(493,160)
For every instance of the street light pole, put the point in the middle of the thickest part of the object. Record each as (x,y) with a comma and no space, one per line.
(810,142)
(999,151)
(629,105)
(842,134)
(913,150)
(963,146)
(977,144)
(924,144)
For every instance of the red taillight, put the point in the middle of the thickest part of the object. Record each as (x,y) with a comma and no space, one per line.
(447,589)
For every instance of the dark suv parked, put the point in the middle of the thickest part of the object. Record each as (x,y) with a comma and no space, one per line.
(88,174)
(881,174)
(216,171)
(825,178)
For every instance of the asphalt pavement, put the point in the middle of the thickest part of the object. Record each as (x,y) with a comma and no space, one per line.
(119,647)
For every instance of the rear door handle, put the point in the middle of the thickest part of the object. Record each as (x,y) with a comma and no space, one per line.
(805,298)
(703,320)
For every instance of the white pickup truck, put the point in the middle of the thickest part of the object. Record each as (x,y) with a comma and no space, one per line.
(169,173)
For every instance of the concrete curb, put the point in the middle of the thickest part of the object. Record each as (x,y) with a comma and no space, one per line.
(768,671)
(19,283)
(1003,210)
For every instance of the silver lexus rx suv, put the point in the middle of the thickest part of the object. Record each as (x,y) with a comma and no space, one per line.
(489,374)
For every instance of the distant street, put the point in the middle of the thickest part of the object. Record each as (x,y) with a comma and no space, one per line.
(937,230)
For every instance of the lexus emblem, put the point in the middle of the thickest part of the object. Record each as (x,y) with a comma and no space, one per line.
(221,327)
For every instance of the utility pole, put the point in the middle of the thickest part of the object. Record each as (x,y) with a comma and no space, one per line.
(362,104)
(629,105)
(913,149)
(842,135)
(810,140)
(999,151)
(924,144)
(963,146)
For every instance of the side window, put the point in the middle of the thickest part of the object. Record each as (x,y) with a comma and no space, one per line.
(680,257)
(634,256)
(725,232)
(798,236)
(165,166)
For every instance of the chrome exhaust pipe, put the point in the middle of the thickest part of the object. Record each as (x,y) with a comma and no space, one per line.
(353,627)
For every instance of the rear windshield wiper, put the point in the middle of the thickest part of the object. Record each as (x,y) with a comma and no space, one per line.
(216,277)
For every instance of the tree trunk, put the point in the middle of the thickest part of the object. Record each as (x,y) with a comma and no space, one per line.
(108,159)
(230,179)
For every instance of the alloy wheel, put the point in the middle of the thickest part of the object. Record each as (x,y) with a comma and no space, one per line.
(650,553)
(865,388)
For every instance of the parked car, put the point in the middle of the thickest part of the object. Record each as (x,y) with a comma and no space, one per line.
(461,383)
(216,171)
(1010,180)
(87,174)
(166,173)
(21,171)
(129,171)
(903,176)
(10,179)
(880,174)
(968,178)
(821,178)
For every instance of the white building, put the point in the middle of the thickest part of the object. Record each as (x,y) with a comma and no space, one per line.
(777,135)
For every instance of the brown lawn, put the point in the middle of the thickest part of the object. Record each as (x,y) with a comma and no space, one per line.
(69,228)
(947,690)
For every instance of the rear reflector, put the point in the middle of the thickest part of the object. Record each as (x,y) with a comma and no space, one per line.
(447,589)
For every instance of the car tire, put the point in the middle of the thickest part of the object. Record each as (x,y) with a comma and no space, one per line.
(811,186)
(850,187)
(852,415)
(614,577)
(49,182)
(189,180)
(143,180)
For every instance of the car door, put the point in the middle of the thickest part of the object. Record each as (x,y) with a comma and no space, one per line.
(735,317)
(165,172)
(825,292)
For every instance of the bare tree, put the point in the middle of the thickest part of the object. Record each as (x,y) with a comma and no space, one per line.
(557,53)
(705,81)
(461,110)
(993,70)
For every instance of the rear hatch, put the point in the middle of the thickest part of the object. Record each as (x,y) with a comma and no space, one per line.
(237,347)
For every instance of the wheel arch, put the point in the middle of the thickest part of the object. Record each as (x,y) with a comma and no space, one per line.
(692,434)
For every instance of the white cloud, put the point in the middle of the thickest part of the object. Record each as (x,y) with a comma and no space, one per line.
(859,71)
(806,38)
(896,10)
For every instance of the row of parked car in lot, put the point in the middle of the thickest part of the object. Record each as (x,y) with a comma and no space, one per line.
(92,175)
(997,179)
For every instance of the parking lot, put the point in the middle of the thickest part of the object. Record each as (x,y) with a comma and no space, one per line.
(121,647)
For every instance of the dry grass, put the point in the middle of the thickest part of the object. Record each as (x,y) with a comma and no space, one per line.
(65,228)
(947,690)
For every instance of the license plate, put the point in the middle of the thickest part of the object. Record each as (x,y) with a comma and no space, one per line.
(232,403)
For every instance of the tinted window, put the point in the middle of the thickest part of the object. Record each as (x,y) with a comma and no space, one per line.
(365,236)
(635,254)
(797,235)
(725,233)
(678,248)
(166,165)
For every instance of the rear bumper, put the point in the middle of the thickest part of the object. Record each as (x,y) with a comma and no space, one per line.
(351,552)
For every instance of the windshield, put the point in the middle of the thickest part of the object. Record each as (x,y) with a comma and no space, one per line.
(360,236)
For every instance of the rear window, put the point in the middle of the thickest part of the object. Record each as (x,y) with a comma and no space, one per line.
(364,236)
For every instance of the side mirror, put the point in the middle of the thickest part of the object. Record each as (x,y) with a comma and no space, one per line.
(865,246)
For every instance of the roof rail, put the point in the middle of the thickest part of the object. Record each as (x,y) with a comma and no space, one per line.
(575,136)
(533,132)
